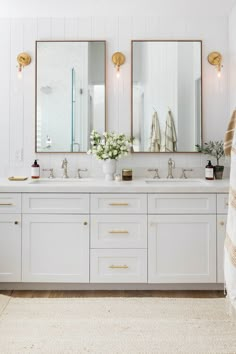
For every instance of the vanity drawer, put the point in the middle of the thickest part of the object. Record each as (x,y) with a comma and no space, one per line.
(10,203)
(222,203)
(118,231)
(118,266)
(119,203)
(182,203)
(57,203)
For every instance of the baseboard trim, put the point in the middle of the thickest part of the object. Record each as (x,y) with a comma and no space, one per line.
(74,286)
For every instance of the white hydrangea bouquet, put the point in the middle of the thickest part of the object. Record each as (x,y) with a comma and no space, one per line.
(109,147)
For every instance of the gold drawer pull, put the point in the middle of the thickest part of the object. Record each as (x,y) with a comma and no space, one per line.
(118,232)
(222,223)
(6,204)
(119,267)
(119,204)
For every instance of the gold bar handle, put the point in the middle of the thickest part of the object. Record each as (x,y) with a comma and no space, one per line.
(119,204)
(6,204)
(118,232)
(119,267)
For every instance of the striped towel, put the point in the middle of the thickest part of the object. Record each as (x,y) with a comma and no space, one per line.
(155,138)
(230,134)
(170,134)
(230,237)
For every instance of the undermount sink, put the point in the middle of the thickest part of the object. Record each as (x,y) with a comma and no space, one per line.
(58,180)
(175,180)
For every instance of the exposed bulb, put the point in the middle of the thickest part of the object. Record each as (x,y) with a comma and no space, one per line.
(19,73)
(219,74)
(118,72)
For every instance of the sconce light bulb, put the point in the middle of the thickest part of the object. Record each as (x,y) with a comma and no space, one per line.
(219,74)
(117,72)
(19,73)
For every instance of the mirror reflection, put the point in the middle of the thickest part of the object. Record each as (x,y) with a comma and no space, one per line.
(70,94)
(166,95)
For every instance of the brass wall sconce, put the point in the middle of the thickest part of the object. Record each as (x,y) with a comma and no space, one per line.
(23,60)
(215,58)
(118,59)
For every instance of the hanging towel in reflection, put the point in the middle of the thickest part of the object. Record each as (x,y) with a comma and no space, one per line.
(155,137)
(170,134)
(230,134)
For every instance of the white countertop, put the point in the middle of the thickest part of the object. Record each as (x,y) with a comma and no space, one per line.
(139,185)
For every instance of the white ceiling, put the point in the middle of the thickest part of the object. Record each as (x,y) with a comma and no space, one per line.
(76,8)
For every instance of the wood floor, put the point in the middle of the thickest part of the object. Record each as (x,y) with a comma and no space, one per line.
(114,293)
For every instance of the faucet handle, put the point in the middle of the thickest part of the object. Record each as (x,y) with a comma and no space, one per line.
(79,170)
(51,175)
(156,172)
(185,170)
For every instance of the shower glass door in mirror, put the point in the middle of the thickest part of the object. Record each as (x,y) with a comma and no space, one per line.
(166,95)
(70,94)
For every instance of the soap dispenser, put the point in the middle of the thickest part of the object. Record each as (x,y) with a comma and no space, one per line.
(209,171)
(35,170)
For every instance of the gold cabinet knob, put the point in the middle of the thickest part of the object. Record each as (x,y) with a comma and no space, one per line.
(222,223)
(16,222)
(85,223)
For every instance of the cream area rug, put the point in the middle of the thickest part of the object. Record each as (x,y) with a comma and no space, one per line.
(115,325)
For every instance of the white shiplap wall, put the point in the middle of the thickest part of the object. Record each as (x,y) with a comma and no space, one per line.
(17,96)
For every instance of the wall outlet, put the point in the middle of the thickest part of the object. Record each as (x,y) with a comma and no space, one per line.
(19,155)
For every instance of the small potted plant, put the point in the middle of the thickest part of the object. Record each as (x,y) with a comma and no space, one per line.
(215,149)
(109,147)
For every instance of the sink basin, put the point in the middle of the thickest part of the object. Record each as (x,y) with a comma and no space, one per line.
(175,180)
(59,180)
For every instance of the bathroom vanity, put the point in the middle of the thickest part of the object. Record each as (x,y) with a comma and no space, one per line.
(92,234)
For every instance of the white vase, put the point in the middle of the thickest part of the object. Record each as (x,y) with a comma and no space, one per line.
(109,169)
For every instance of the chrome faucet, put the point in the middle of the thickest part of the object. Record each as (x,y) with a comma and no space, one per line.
(64,166)
(171,165)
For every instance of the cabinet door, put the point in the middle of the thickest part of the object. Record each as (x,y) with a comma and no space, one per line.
(55,248)
(221,231)
(182,249)
(10,248)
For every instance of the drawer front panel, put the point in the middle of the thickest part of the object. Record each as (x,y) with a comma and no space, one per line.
(118,266)
(222,203)
(182,203)
(119,203)
(119,231)
(58,203)
(10,203)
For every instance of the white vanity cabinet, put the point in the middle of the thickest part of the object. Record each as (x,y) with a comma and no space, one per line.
(138,239)
(10,237)
(182,244)
(55,247)
(222,209)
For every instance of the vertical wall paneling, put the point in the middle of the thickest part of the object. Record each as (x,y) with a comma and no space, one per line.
(58,28)
(30,34)
(71,28)
(5,64)
(84,28)
(17,96)
(125,28)
(111,37)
